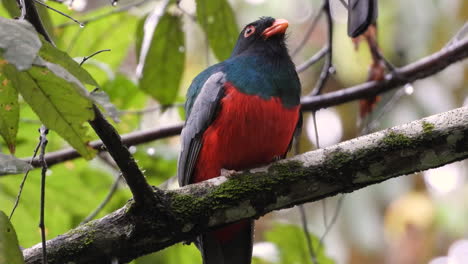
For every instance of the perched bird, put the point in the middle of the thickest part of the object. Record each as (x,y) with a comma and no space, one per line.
(241,113)
(361,14)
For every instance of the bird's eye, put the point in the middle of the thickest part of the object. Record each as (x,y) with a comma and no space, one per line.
(249,31)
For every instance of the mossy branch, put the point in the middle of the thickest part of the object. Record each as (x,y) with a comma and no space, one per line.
(131,232)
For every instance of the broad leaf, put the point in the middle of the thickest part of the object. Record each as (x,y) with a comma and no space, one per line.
(56,56)
(164,62)
(14,11)
(19,41)
(218,21)
(59,105)
(140,34)
(102,99)
(292,244)
(123,92)
(9,108)
(12,165)
(46,20)
(114,32)
(9,249)
(12,8)
(74,189)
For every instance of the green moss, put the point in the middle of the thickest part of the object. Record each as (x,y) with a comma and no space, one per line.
(88,239)
(427,127)
(224,195)
(339,159)
(396,140)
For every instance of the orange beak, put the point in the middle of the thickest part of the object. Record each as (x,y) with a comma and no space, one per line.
(278,27)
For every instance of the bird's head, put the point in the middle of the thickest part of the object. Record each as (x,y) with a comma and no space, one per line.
(264,36)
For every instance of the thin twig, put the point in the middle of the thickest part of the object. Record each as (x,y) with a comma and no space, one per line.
(334,218)
(310,247)
(104,202)
(302,212)
(60,12)
(98,17)
(317,144)
(311,28)
(327,67)
(461,33)
(312,60)
(92,55)
(18,196)
(150,109)
(149,27)
(134,138)
(420,69)
(43,141)
(22,6)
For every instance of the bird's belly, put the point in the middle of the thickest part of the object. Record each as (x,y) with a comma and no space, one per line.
(248,132)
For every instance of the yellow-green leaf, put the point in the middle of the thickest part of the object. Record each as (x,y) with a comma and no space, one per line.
(54,55)
(292,244)
(59,105)
(218,21)
(9,108)
(164,62)
(10,252)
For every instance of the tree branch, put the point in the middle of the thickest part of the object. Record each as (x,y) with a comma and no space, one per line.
(418,70)
(134,138)
(130,232)
(141,190)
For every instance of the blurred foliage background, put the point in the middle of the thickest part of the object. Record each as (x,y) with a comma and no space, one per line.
(411,219)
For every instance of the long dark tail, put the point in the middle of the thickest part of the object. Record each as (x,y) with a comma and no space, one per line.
(235,249)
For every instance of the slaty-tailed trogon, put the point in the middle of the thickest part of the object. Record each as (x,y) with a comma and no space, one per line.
(241,113)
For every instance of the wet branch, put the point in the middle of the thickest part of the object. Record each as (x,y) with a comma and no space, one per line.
(351,165)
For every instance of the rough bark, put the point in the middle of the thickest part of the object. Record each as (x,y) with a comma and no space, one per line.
(131,232)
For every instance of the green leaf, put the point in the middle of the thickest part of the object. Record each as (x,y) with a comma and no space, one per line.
(114,32)
(218,21)
(12,8)
(292,244)
(56,56)
(19,42)
(46,20)
(9,249)
(140,33)
(102,99)
(179,253)
(59,105)
(68,182)
(9,107)
(123,92)
(164,62)
(12,165)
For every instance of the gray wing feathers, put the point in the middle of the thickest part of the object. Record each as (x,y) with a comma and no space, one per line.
(201,116)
